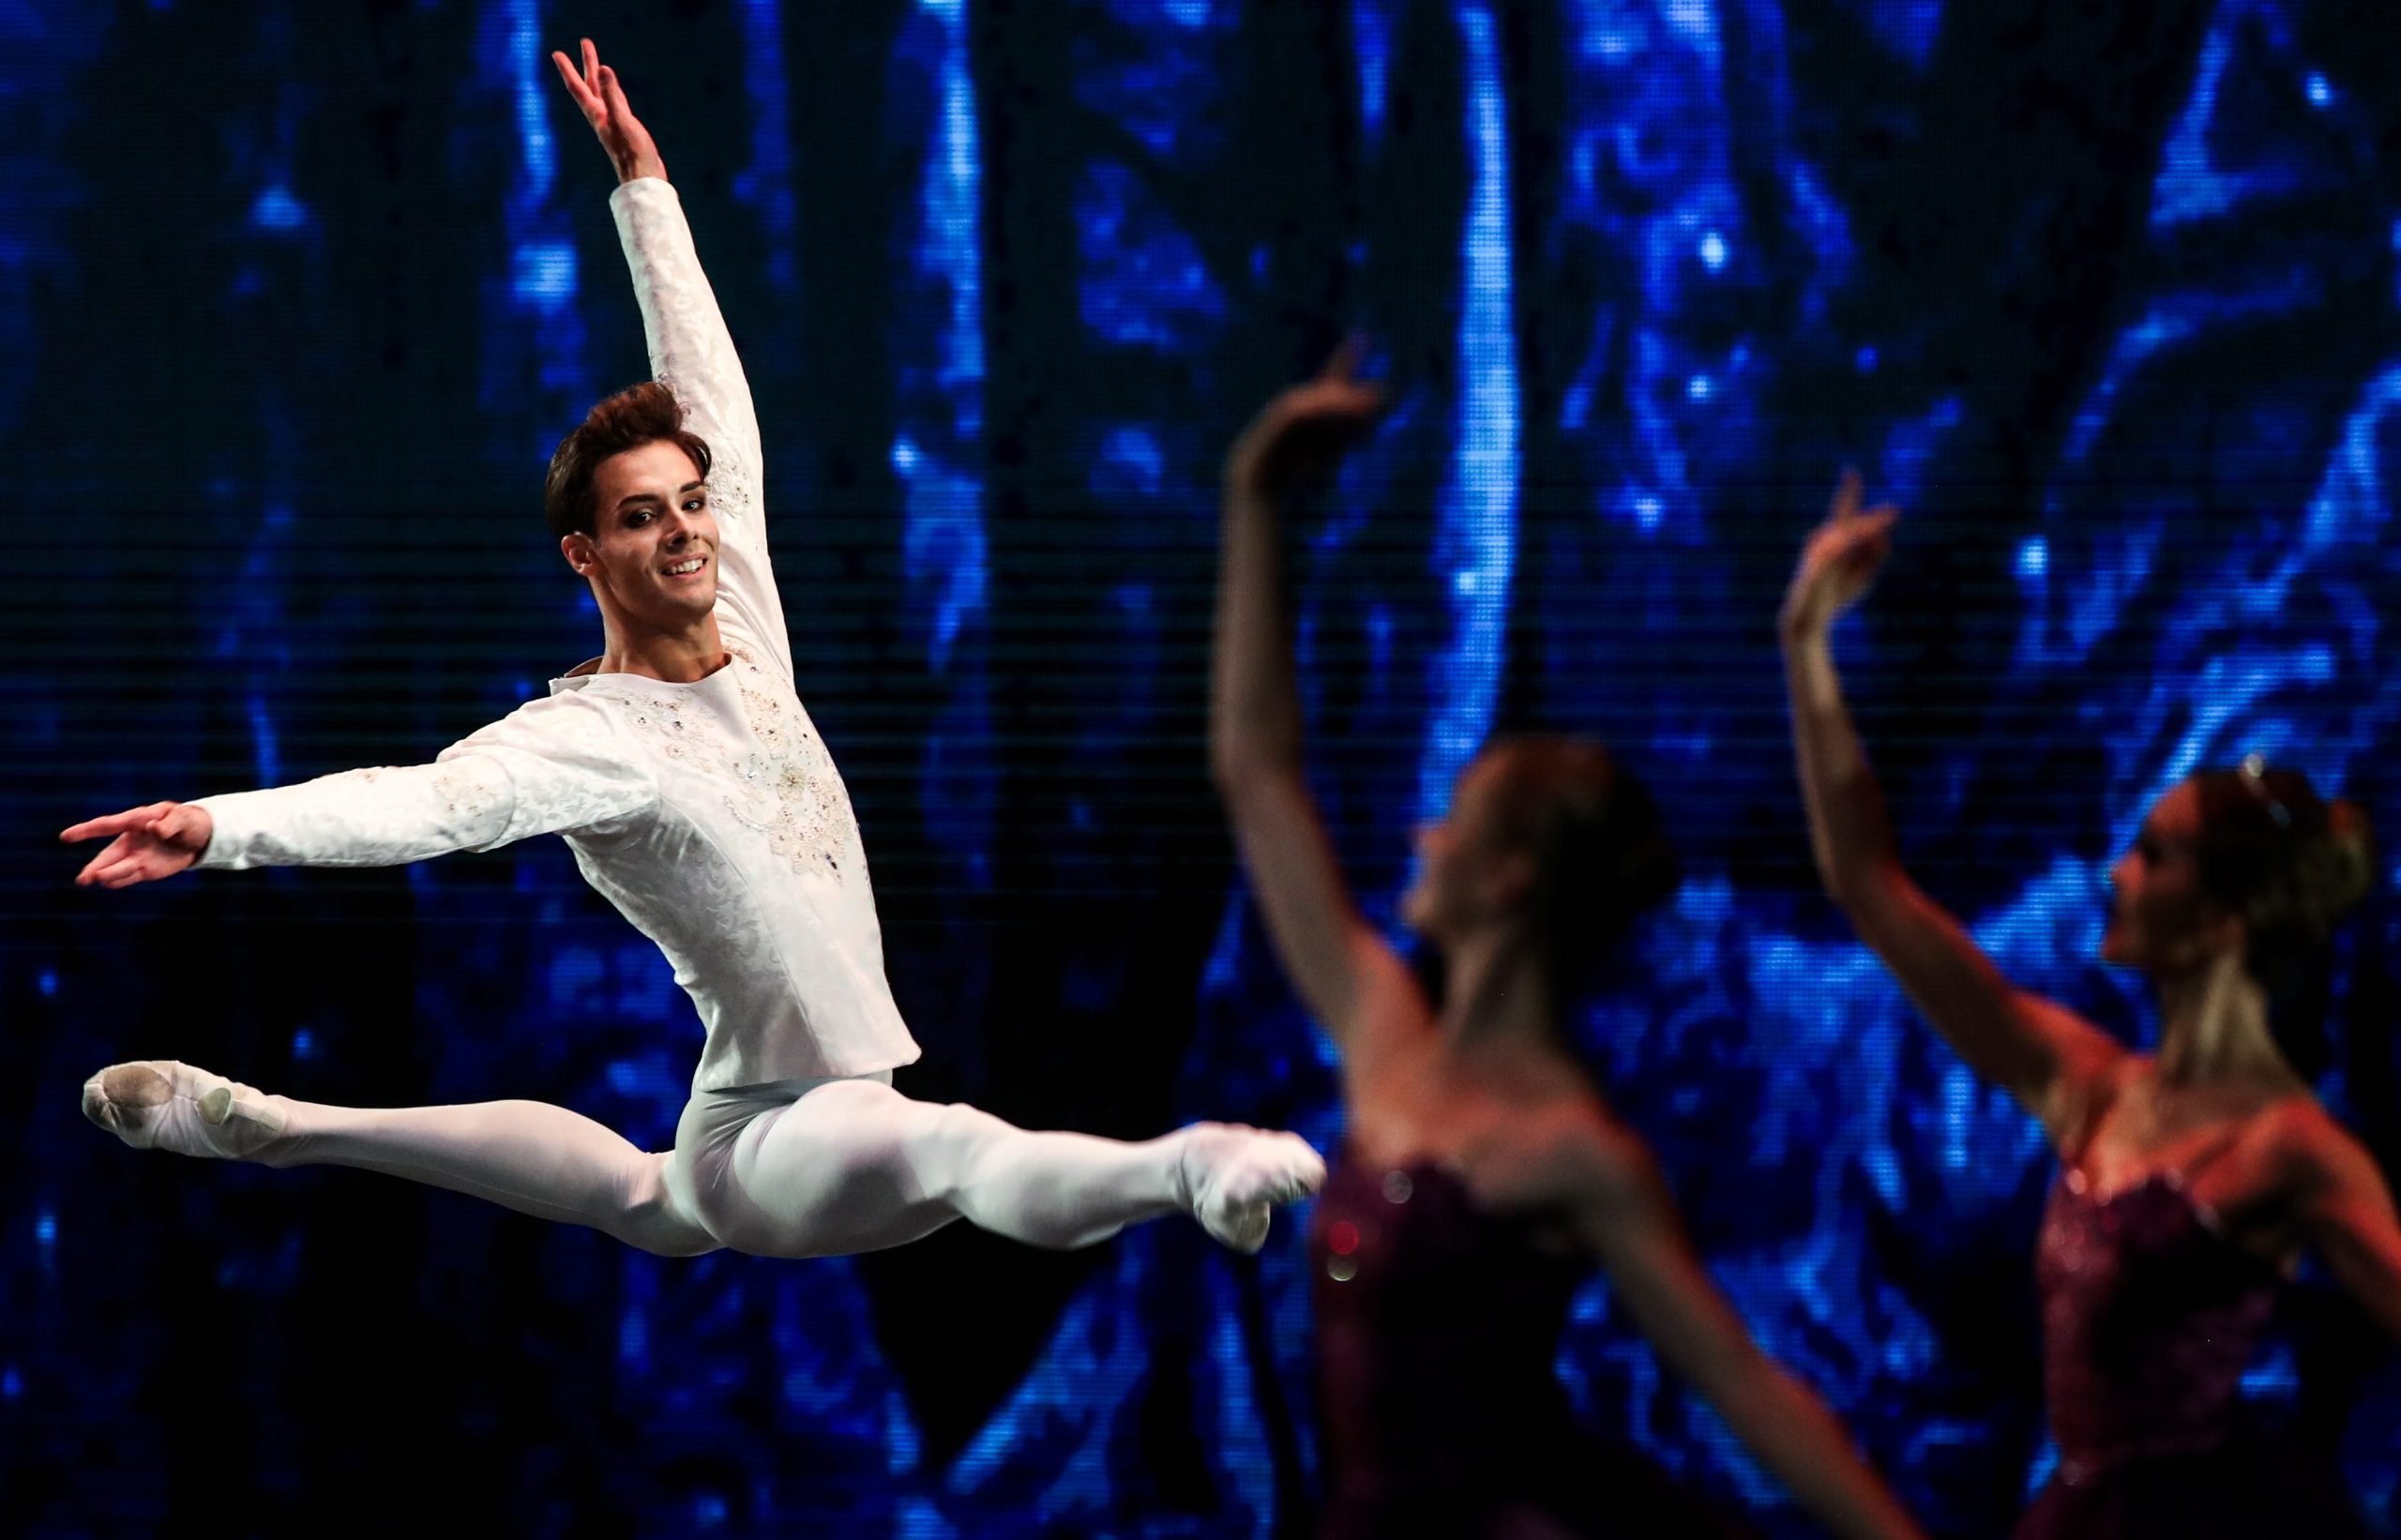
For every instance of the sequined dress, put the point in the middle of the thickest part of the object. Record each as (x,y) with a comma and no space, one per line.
(709,813)
(1438,1327)
(2150,1315)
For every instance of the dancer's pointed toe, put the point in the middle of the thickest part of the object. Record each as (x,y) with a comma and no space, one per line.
(1234,1177)
(122,1098)
(160,1103)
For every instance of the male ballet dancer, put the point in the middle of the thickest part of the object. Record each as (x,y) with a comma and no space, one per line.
(697,798)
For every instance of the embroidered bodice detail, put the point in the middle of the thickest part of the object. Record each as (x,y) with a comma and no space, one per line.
(710,813)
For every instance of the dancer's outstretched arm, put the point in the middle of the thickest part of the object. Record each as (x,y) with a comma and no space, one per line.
(690,351)
(1334,958)
(1578,1163)
(2043,1053)
(550,766)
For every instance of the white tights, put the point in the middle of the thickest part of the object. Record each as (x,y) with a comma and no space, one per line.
(805,1168)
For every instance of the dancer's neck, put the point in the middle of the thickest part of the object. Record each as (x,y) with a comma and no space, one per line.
(2213,1028)
(1495,990)
(682,655)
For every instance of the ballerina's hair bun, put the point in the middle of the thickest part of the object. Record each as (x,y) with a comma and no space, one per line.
(2342,861)
(2292,863)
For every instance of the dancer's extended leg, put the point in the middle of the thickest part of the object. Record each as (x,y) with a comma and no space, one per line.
(840,1167)
(530,1157)
(854,1166)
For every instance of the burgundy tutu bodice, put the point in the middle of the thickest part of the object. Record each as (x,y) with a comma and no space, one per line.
(2150,1315)
(1438,1327)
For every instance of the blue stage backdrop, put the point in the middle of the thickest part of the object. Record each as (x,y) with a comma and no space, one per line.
(298,295)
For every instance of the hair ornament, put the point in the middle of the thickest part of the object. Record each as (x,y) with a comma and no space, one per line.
(2255,780)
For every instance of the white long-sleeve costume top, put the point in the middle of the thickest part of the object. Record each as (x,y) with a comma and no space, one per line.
(709,813)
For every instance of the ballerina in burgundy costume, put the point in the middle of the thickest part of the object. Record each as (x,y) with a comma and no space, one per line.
(2193,1177)
(1484,1175)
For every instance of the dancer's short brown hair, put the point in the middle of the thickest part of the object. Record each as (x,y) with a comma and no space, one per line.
(647,414)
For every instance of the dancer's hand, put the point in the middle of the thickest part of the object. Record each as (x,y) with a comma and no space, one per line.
(603,101)
(1838,563)
(1303,429)
(151,842)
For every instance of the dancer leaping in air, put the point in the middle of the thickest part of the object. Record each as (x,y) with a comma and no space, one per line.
(698,799)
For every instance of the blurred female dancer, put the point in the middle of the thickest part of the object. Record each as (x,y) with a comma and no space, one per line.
(696,796)
(2191,1176)
(1483,1174)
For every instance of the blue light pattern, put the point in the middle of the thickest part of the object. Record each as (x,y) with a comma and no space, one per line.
(1475,546)
(936,452)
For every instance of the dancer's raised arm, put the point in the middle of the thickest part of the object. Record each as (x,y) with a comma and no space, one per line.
(1331,954)
(690,352)
(2044,1054)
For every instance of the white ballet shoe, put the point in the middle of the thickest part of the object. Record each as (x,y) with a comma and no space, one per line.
(1232,1177)
(158,1104)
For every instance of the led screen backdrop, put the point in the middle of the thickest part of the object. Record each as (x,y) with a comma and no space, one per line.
(297,296)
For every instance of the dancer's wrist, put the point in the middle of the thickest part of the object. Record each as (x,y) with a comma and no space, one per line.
(637,168)
(1801,626)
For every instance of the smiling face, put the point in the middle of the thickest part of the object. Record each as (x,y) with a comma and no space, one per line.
(2161,920)
(652,555)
